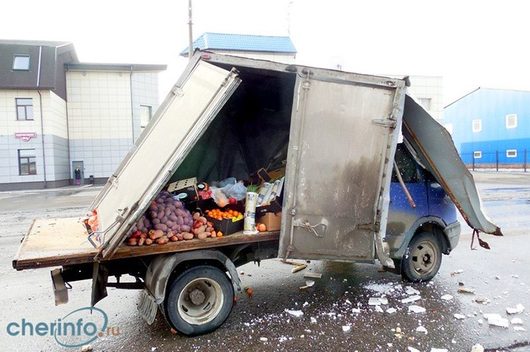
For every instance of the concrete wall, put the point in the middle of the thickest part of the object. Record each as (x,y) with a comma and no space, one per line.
(100,123)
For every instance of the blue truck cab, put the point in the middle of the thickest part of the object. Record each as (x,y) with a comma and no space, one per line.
(420,229)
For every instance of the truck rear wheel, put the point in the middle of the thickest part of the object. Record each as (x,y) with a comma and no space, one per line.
(422,259)
(199,300)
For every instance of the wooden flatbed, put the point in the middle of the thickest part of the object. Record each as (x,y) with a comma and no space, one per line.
(60,242)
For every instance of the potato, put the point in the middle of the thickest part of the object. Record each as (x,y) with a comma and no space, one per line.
(187,236)
(173,217)
(163,220)
(160,214)
(173,238)
(180,236)
(170,223)
(185,228)
(203,220)
(162,227)
(196,216)
(162,240)
(132,242)
(148,241)
(141,241)
(202,235)
(156,221)
(154,234)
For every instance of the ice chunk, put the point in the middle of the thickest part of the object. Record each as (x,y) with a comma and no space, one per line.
(412,349)
(379,309)
(294,313)
(375,301)
(459,271)
(305,304)
(516,321)
(356,310)
(482,300)
(438,350)
(447,297)
(391,310)
(411,291)
(477,348)
(421,329)
(459,316)
(496,320)
(411,299)
(313,320)
(282,339)
(346,328)
(515,310)
(519,328)
(416,309)
(263,339)
(380,288)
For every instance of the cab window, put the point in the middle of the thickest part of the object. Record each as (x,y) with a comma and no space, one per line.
(406,164)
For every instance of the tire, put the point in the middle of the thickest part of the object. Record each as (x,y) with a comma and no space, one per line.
(199,300)
(422,258)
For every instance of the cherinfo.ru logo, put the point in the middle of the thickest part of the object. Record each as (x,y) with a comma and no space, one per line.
(77,328)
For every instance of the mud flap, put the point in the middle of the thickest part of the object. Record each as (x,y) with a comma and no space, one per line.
(100,276)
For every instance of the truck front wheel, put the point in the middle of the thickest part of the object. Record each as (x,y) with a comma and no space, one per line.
(199,300)
(422,259)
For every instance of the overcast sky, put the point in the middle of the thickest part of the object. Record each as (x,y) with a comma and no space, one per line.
(469,43)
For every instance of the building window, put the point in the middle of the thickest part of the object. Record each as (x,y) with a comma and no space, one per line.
(477,125)
(27,164)
(449,127)
(425,102)
(511,153)
(477,154)
(24,108)
(21,62)
(145,115)
(511,121)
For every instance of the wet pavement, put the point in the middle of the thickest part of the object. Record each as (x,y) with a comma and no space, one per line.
(336,314)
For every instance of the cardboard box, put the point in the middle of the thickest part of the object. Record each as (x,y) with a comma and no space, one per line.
(273,221)
(185,190)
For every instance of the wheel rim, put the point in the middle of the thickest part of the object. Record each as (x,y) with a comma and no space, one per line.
(200,301)
(424,257)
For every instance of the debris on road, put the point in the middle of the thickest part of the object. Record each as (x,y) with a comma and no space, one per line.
(378,309)
(313,275)
(459,316)
(263,339)
(516,321)
(519,328)
(308,284)
(376,301)
(466,290)
(416,309)
(346,328)
(411,299)
(411,291)
(456,272)
(519,308)
(412,349)
(496,320)
(421,329)
(294,313)
(482,300)
(298,268)
(447,297)
(249,291)
(438,350)
(477,348)
(313,320)
(86,348)
(391,310)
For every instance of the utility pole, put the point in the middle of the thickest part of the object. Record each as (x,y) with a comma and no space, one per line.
(190,24)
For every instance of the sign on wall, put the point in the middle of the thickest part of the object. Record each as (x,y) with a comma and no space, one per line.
(25,136)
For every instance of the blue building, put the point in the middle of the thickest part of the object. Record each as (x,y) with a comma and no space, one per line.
(266,47)
(491,126)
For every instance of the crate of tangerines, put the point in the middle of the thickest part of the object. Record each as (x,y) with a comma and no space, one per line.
(227,221)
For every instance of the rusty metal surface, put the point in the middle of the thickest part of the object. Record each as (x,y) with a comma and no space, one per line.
(339,137)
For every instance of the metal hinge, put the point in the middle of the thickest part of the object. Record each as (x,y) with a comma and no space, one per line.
(385,123)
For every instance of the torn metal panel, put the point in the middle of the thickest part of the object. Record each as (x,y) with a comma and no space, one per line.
(435,149)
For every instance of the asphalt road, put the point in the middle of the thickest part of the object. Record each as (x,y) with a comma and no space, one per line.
(336,314)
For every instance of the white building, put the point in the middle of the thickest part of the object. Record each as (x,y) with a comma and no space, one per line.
(57,114)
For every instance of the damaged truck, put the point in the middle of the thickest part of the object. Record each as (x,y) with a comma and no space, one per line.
(368,174)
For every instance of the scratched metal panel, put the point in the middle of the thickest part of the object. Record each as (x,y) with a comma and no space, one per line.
(339,149)
(435,149)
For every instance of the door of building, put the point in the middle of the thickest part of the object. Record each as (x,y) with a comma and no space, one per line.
(78,173)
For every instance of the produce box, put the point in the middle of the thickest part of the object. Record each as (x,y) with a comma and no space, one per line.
(226,226)
(185,190)
(274,207)
(273,221)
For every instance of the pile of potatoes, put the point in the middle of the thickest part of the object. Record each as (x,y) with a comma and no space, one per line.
(165,220)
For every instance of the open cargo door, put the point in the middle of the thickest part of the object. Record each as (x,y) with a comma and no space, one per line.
(436,151)
(344,132)
(182,118)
